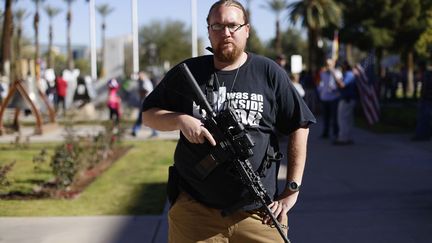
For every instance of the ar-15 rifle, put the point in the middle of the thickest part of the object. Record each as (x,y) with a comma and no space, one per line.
(233,144)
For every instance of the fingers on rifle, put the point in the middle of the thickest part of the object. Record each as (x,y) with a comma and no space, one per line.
(266,220)
(278,212)
(274,206)
(192,139)
(209,137)
(282,217)
(201,139)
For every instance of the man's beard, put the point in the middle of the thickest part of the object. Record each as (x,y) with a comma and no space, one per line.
(227,55)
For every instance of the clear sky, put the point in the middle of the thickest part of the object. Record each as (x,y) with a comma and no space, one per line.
(118,23)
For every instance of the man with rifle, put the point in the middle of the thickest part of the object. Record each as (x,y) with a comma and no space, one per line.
(223,184)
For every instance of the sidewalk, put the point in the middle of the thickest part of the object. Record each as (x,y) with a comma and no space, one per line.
(88,229)
(56,133)
(378,190)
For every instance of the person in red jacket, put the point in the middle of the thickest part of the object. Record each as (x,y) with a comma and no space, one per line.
(61,89)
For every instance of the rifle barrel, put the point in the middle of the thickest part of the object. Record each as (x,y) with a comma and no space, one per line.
(197,90)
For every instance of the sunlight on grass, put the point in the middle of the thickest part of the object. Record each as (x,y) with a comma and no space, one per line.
(134,185)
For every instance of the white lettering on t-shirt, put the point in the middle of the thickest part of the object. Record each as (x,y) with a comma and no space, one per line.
(249,106)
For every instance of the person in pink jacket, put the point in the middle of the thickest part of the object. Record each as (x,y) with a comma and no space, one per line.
(114,101)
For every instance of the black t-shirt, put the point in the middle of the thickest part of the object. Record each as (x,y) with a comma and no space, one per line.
(264,98)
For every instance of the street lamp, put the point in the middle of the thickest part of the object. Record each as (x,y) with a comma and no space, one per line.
(135,50)
(194,28)
(92,39)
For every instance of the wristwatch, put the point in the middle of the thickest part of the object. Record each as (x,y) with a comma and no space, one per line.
(293,186)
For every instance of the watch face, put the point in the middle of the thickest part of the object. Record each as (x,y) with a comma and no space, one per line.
(293,186)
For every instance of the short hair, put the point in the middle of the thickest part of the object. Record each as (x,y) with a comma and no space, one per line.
(113,84)
(281,56)
(346,64)
(228,3)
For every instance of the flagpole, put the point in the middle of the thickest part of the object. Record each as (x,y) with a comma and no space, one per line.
(194,28)
(335,46)
(135,50)
(93,63)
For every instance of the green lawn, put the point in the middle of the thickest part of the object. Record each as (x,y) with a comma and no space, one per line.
(134,185)
(399,117)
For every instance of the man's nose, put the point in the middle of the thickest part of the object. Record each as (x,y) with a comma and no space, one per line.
(226,31)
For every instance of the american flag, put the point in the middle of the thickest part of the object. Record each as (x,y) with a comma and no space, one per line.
(365,85)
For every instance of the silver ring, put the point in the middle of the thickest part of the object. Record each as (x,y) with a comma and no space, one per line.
(284,226)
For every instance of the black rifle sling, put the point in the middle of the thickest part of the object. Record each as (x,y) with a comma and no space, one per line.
(209,90)
(273,155)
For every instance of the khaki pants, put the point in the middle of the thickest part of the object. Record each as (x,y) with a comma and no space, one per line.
(190,221)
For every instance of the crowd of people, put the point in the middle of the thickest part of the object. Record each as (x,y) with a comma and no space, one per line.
(47,92)
(130,93)
(332,93)
(394,79)
(61,92)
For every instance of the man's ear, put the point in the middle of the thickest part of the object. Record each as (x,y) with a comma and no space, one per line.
(248,30)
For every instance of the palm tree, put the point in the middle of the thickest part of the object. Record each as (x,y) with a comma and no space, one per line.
(19,15)
(6,38)
(314,16)
(277,6)
(248,7)
(254,43)
(103,10)
(51,12)
(70,63)
(36,29)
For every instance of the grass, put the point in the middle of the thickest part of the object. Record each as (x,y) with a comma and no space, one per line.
(23,177)
(134,185)
(397,117)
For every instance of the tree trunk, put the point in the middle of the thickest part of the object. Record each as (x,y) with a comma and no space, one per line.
(69,48)
(50,40)
(410,67)
(278,44)
(6,39)
(18,67)
(102,66)
(379,53)
(36,55)
(248,7)
(348,53)
(312,52)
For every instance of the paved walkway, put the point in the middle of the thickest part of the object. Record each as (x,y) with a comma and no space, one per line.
(57,133)
(378,190)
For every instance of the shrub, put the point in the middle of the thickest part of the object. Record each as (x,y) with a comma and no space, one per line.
(4,170)
(64,163)
(79,154)
(39,159)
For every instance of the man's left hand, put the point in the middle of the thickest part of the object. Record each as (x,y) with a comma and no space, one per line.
(281,207)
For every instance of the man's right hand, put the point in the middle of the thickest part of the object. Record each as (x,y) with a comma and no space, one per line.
(194,130)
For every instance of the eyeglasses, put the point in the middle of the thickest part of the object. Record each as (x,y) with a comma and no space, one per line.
(231,27)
